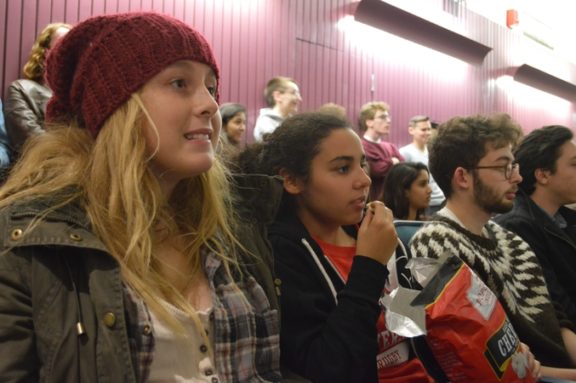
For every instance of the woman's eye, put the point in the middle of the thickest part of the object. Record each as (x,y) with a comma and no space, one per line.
(178,83)
(212,90)
(343,169)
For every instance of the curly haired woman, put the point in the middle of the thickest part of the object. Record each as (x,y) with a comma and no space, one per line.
(28,96)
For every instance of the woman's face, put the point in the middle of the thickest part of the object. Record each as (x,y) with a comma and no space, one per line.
(180,102)
(337,189)
(419,193)
(236,127)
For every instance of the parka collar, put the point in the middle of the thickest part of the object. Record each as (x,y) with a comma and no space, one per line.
(66,225)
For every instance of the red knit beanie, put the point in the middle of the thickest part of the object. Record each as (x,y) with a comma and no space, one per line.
(96,66)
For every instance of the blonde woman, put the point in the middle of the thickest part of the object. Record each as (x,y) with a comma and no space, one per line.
(28,96)
(122,258)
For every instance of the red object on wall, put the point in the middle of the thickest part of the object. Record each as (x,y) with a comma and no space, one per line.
(511,18)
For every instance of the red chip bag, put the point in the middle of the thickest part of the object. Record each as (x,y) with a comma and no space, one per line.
(468,331)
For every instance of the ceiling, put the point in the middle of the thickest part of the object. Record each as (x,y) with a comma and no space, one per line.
(551,20)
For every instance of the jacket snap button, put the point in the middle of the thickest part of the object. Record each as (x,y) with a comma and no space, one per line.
(147,329)
(75,237)
(109,320)
(16,234)
(277,281)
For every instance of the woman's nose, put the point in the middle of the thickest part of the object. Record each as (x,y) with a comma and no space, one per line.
(364,180)
(205,104)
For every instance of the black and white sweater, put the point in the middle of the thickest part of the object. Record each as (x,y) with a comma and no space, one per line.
(510,269)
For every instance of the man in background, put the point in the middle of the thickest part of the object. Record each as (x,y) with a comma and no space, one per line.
(472,161)
(547,159)
(420,127)
(374,124)
(283,98)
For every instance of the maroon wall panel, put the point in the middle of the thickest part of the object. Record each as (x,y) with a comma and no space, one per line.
(257,39)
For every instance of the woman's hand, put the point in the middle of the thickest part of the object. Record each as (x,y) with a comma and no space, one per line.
(377,237)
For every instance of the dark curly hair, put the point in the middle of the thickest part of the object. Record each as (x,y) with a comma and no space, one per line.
(291,147)
(461,142)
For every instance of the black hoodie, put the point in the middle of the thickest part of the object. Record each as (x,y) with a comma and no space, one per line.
(328,329)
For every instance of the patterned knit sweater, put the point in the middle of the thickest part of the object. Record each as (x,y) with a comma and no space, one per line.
(511,270)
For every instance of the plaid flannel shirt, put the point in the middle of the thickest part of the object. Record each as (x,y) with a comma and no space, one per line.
(246,332)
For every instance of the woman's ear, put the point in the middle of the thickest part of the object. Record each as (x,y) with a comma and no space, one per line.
(291,184)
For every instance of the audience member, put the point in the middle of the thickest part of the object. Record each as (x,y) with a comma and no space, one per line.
(121,257)
(332,271)
(381,155)
(419,127)
(407,190)
(283,98)
(334,110)
(233,128)
(28,96)
(472,161)
(4,144)
(547,160)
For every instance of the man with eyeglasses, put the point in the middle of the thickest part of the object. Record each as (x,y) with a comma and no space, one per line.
(548,159)
(283,98)
(381,155)
(472,162)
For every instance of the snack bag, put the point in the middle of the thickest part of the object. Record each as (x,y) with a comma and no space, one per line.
(467,329)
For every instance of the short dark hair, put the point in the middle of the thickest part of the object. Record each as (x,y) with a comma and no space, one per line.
(461,142)
(540,150)
(398,180)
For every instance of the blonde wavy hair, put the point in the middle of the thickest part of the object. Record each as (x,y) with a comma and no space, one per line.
(111,179)
(34,67)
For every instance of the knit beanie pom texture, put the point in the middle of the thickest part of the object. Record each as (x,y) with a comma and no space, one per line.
(101,62)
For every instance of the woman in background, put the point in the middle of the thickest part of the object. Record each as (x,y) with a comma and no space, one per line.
(28,96)
(407,191)
(233,128)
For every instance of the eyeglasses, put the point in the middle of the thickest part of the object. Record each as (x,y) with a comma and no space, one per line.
(508,169)
(293,92)
(383,117)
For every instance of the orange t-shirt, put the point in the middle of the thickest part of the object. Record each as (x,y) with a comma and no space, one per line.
(393,359)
